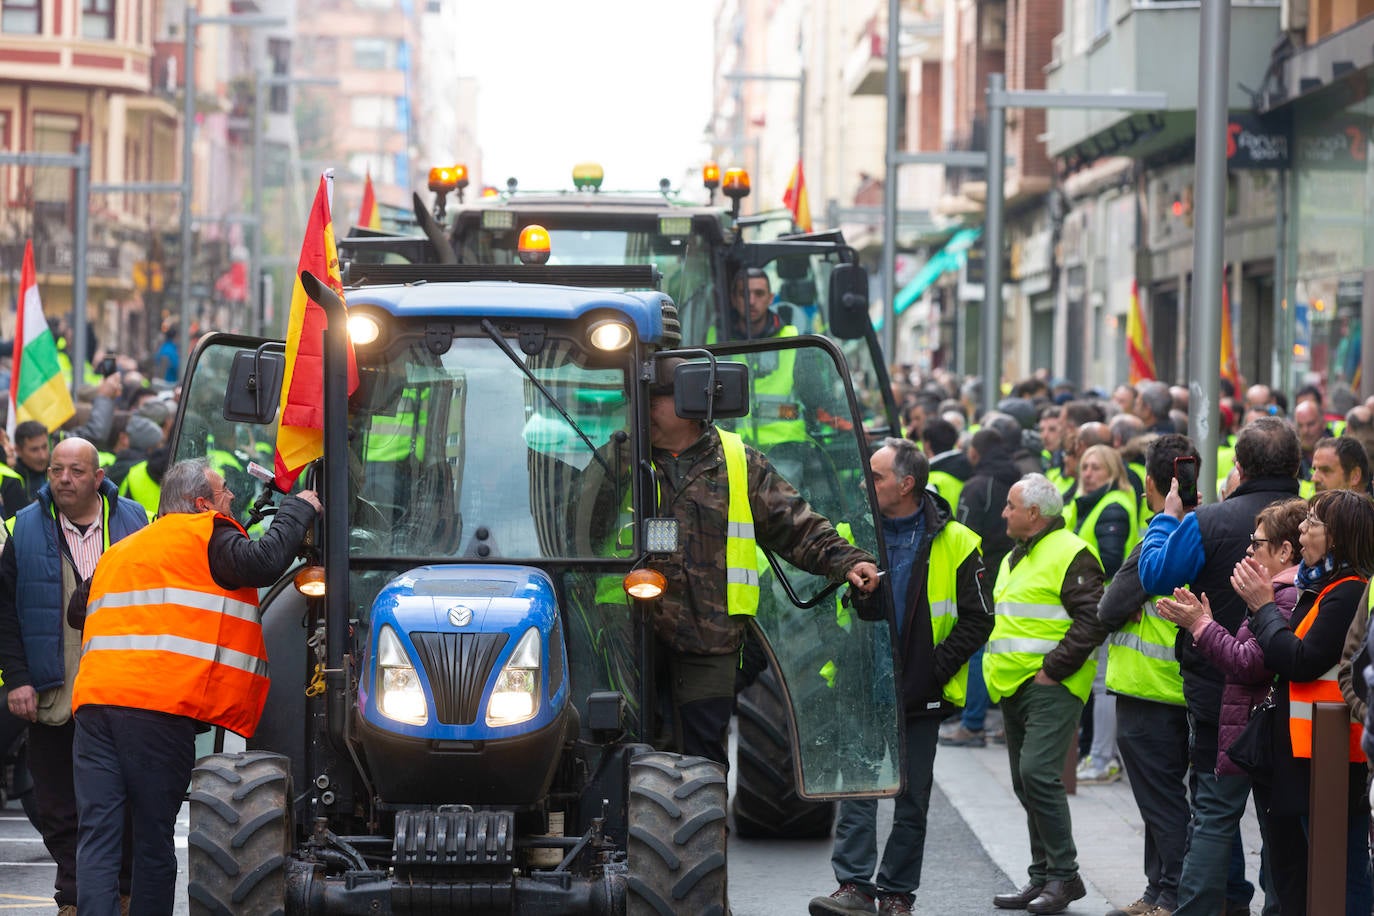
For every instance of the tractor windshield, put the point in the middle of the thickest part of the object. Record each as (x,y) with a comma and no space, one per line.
(473,452)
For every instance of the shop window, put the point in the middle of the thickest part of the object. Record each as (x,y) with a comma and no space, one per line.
(98,19)
(21,17)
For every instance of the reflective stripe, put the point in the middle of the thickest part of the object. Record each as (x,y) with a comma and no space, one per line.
(184,597)
(1022,644)
(180,646)
(737,576)
(739,530)
(1147,649)
(1302,709)
(946,608)
(1038,611)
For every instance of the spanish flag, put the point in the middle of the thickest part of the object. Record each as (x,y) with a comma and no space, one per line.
(37,389)
(1230,366)
(794,198)
(369,215)
(1138,350)
(300,423)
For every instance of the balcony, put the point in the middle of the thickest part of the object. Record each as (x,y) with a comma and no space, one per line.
(68,60)
(1151,47)
(865,69)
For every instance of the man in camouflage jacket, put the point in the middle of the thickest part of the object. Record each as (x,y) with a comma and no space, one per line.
(698,638)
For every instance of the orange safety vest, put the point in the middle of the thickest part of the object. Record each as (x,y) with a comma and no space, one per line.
(161,635)
(1325,689)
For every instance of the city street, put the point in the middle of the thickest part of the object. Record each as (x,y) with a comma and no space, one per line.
(976,847)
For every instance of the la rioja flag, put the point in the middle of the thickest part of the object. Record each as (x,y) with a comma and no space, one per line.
(37,389)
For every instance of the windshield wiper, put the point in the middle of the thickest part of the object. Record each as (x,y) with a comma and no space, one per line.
(505,346)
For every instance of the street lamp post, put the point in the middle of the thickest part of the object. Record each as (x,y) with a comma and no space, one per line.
(257,301)
(191,21)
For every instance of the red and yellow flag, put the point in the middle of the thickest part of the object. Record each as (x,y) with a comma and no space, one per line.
(794,198)
(300,423)
(1230,365)
(1138,350)
(369,215)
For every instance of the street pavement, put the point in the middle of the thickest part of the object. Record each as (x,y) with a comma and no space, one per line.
(976,847)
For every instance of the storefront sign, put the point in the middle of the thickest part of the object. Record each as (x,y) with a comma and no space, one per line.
(1338,144)
(1252,143)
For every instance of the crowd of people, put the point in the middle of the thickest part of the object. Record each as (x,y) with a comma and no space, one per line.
(1148,633)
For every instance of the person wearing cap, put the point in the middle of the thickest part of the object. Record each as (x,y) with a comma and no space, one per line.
(718,488)
(133,445)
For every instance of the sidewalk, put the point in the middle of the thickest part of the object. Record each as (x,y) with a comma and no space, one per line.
(1106,826)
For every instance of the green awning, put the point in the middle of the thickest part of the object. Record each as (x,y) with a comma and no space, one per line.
(950,257)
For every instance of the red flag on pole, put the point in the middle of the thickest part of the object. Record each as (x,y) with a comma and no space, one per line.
(1140,354)
(794,198)
(1230,365)
(300,423)
(369,215)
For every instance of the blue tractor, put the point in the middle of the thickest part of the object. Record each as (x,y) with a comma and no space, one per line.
(463,715)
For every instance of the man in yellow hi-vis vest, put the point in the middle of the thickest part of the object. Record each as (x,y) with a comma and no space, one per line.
(1040,663)
(725,496)
(1151,716)
(940,592)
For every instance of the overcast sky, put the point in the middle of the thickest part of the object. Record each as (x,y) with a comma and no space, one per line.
(626,83)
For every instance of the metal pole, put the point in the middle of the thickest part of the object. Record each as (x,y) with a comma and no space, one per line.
(188,135)
(990,360)
(893,92)
(82,229)
(255,303)
(801,116)
(1283,323)
(1214,68)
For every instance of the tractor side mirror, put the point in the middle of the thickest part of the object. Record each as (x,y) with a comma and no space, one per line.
(254,390)
(848,302)
(725,391)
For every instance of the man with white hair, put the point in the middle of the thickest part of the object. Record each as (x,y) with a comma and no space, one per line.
(1040,662)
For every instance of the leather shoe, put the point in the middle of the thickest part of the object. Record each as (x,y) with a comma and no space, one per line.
(1019,899)
(1057,895)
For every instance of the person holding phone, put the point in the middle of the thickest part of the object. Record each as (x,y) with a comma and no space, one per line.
(1200,549)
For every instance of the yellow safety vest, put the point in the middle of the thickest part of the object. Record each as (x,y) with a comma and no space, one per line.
(139,486)
(741,562)
(948,486)
(775,413)
(393,437)
(1141,661)
(1031,620)
(952,546)
(1061,482)
(1087,529)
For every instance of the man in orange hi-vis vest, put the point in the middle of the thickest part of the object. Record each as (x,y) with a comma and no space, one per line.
(171,639)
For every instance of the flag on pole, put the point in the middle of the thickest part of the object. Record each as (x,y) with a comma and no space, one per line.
(37,389)
(794,198)
(370,215)
(1230,366)
(300,423)
(1140,354)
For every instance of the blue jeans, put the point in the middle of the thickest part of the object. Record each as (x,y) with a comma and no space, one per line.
(976,699)
(1214,865)
(855,856)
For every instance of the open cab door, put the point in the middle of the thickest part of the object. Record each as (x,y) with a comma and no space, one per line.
(836,667)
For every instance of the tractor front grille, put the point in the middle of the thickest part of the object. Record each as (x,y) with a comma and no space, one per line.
(459,666)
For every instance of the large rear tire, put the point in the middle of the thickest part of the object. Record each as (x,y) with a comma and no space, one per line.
(677,836)
(240,835)
(766,804)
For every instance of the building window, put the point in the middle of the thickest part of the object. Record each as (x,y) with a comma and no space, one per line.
(374,54)
(381,168)
(21,17)
(374,111)
(97,19)
(375,4)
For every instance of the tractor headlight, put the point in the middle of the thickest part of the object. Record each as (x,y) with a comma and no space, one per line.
(399,694)
(515,695)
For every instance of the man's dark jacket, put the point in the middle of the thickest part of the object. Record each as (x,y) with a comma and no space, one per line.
(926,667)
(982,500)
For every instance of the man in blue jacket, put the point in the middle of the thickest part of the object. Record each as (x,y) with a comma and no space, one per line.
(55,543)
